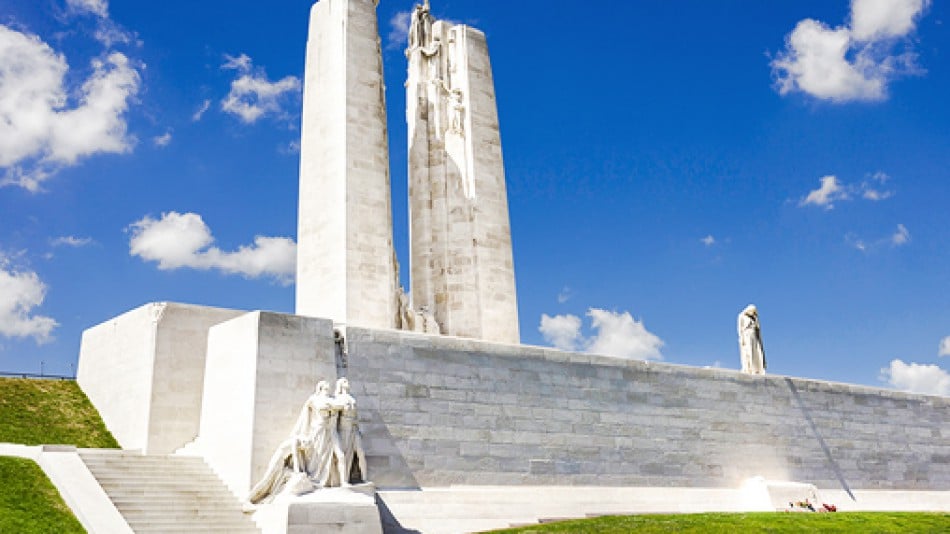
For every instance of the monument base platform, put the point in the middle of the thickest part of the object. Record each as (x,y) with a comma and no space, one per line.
(350,510)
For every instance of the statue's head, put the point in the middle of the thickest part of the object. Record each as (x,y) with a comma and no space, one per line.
(751,311)
(323,388)
(342,386)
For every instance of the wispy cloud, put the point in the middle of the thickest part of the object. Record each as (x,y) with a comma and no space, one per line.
(917,378)
(252,95)
(71,241)
(565,295)
(399,30)
(617,334)
(39,134)
(945,347)
(709,240)
(21,292)
(162,140)
(200,112)
(832,190)
(853,62)
(183,240)
(899,238)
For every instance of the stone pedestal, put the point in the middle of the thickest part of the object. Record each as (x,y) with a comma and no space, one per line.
(261,367)
(349,510)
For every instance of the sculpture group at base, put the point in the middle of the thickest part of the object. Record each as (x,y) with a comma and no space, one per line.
(751,350)
(324,450)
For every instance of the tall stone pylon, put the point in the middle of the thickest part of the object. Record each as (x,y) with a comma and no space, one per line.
(345,263)
(462,266)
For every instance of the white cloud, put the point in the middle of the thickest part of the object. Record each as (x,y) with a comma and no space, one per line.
(854,62)
(20,293)
(901,236)
(709,240)
(833,190)
(565,295)
(825,196)
(562,331)
(178,241)
(874,20)
(252,95)
(399,29)
(100,8)
(200,112)
(42,129)
(945,347)
(917,378)
(617,334)
(622,336)
(71,241)
(163,140)
(870,187)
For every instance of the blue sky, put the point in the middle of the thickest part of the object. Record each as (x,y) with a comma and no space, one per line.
(674,161)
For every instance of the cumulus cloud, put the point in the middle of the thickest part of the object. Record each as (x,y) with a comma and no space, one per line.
(917,378)
(945,347)
(42,127)
(562,331)
(252,95)
(832,190)
(617,334)
(21,292)
(178,241)
(399,29)
(853,62)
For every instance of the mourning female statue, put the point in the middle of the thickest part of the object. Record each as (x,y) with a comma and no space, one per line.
(350,441)
(312,450)
(750,342)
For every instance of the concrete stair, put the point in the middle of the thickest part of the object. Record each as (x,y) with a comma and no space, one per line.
(167,494)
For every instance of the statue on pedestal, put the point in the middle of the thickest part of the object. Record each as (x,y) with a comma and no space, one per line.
(315,456)
(751,349)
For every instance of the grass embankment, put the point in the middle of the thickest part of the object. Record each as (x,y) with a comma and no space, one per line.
(29,504)
(50,412)
(882,523)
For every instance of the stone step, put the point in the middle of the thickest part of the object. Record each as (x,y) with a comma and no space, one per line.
(167,494)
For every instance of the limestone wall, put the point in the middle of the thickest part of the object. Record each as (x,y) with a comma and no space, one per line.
(144,372)
(441,411)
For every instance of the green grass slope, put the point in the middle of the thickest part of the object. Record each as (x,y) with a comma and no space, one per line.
(29,504)
(878,523)
(50,412)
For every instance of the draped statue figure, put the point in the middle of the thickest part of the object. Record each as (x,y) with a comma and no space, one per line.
(751,349)
(354,457)
(312,454)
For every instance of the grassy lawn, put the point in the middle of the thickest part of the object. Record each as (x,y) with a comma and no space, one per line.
(49,412)
(29,504)
(764,522)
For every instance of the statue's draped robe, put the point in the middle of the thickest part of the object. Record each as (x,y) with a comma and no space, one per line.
(750,343)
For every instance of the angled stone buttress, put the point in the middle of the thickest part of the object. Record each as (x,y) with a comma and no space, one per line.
(345,262)
(462,265)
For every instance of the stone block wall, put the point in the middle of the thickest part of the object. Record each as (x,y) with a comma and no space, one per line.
(442,411)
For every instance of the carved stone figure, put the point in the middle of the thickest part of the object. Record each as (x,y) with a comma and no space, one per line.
(310,456)
(420,29)
(751,349)
(350,440)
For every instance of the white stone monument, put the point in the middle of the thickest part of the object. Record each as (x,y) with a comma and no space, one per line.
(345,262)
(462,267)
(751,350)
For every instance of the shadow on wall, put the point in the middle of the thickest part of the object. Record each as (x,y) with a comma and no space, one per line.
(821,440)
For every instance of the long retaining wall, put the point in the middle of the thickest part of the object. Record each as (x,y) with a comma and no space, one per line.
(442,411)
